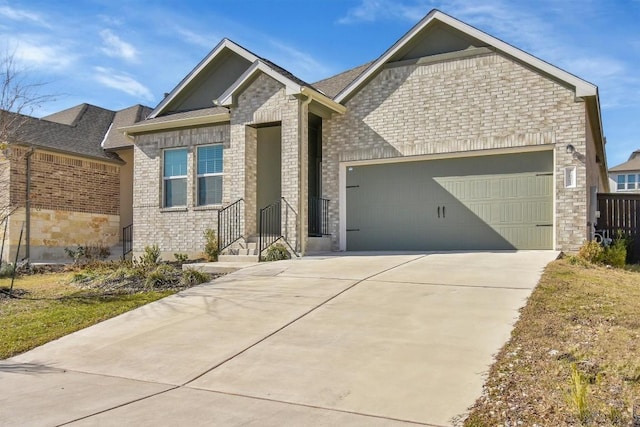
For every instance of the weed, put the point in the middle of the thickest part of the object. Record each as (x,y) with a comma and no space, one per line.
(577,395)
(181,258)
(211,245)
(277,252)
(150,257)
(192,277)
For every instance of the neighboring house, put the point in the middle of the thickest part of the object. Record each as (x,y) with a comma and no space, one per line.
(450,140)
(627,175)
(62,188)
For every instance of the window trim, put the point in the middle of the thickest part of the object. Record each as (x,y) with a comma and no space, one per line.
(174,177)
(206,175)
(623,182)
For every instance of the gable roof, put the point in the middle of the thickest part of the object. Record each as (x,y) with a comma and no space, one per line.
(633,164)
(582,87)
(333,85)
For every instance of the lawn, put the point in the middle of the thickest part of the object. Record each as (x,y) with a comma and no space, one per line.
(583,319)
(49,306)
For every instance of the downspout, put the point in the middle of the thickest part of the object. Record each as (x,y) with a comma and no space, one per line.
(302,174)
(27,247)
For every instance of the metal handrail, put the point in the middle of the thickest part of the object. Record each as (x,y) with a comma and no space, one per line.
(127,240)
(318,216)
(230,227)
(271,227)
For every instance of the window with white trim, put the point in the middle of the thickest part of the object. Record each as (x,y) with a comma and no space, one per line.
(628,182)
(570,178)
(174,178)
(210,171)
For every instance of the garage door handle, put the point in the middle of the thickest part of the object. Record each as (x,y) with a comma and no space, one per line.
(443,212)
(438,211)
(544,225)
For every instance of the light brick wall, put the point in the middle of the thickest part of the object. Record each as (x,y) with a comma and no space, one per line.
(265,101)
(175,229)
(477,103)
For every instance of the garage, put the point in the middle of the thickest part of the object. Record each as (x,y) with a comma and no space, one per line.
(497,202)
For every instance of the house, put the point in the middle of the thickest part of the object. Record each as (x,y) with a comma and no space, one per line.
(450,140)
(627,175)
(67,182)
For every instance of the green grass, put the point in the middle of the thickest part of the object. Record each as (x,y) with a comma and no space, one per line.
(50,307)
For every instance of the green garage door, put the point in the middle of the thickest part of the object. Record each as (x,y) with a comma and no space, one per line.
(495,202)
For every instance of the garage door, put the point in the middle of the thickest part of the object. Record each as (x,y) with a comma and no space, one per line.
(495,202)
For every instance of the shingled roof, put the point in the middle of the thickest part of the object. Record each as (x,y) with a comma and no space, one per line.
(79,130)
(115,139)
(333,85)
(633,164)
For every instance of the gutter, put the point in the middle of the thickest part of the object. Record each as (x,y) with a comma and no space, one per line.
(136,129)
(27,213)
(323,100)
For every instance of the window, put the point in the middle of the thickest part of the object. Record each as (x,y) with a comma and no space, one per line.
(621,182)
(210,175)
(628,182)
(570,180)
(631,182)
(174,177)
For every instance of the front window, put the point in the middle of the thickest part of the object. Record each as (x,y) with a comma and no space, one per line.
(621,182)
(175,178)
(210,169)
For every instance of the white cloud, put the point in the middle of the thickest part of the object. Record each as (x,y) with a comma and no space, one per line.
(298,62)
(32,52)
(115,47)
(21,15)
(197,39)
(122,82)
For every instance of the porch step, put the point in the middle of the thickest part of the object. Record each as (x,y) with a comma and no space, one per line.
(238,258)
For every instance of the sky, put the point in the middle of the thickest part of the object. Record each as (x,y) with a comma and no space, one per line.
(117,53)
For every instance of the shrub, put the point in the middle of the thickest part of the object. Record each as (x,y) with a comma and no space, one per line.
(150,257)
(590,252)
(211,245)
(277,252)
(615,255)
(6,269)
(181,258)
(192,277)
(164,275)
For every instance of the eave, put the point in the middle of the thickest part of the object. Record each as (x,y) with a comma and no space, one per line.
(139,128)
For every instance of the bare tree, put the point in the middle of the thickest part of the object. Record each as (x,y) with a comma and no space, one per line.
(19,98)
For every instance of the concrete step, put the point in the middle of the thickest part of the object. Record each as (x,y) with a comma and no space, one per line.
(238,258)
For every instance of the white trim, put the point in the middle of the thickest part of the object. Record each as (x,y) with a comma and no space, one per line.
(172,124)
(224,44)
(342,176)
(106,135)
(582,87)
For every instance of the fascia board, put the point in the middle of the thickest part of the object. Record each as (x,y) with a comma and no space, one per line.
(172,124)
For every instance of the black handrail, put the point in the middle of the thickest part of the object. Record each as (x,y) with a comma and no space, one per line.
(230,227)
(127,240)
(318,217)
(270,230)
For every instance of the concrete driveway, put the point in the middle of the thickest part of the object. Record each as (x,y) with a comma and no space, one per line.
(363,339)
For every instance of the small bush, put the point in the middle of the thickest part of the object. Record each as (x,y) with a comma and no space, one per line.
(150,257)
(211,245)
(181,258)
(163,276)
(591,252)
(615,255)
(88,253)
(6,269)
(192,277)
(277,252)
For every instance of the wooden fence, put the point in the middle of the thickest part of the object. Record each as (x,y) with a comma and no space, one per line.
(620,213)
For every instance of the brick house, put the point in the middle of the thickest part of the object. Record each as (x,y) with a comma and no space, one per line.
(450,140)
(74,186)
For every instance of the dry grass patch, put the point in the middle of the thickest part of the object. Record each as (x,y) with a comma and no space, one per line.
(582,319)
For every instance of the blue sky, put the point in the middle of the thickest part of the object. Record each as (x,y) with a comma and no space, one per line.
(116,53)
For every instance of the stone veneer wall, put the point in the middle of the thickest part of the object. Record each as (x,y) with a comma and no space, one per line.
(74,201)
(474,103)
(174,229)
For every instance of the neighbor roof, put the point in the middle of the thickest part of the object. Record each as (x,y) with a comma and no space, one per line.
(115,139)
(633,164)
